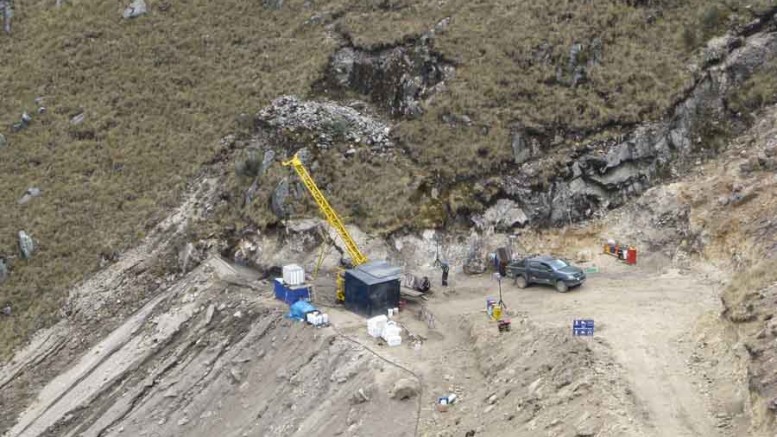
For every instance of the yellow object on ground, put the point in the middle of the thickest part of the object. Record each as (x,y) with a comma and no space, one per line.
(496,313)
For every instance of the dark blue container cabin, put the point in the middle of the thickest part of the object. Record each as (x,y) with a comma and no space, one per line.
(372,288)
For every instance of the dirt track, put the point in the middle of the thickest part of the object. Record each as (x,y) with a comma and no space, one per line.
(644,318)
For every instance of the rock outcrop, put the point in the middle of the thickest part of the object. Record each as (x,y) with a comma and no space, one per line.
(603,175)
(26,245)
(279,196)
(135,9)
(397,78)
(3,271)
(503,216)
(30,194)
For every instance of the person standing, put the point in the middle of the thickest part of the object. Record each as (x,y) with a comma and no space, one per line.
(445,269)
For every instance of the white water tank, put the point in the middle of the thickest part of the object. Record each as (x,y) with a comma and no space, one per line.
(375,325)
(293,274)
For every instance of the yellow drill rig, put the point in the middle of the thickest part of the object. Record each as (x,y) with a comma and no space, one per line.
(357,257)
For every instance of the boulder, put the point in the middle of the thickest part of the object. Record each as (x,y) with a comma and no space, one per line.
(279,196)
(404,389)
(3,271)
(135,9)
(78,119)
(272,4)
(360,397)
(30,194)
(269,158)
(251,192)
(521,149)
(26,245)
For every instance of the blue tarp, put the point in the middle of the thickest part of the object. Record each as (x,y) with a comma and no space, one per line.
(300,309)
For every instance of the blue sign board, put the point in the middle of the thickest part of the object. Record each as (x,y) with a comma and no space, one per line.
(583,327)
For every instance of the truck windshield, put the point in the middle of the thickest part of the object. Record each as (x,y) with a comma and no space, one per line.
(557,264)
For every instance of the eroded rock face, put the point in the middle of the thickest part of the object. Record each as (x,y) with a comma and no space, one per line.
(503,216)
(396,78)
(603,175)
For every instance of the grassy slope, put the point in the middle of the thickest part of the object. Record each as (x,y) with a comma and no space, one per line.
(159,91)
(643,70)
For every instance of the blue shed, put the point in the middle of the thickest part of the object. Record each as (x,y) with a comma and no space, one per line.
(372,288)
(290,293)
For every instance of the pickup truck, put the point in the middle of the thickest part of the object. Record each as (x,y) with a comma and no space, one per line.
(545,270)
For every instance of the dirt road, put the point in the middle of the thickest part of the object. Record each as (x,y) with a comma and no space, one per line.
(645,317)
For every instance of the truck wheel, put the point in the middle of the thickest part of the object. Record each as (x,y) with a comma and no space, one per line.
(561,287)
(520,281)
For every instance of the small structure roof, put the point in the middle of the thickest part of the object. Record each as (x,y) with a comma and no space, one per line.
(376,272)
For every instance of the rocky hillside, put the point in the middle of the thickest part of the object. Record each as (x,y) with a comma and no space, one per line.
(554,175)
(546,110)
(722,214)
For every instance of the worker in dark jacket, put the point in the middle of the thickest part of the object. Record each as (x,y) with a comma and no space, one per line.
(445,269)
